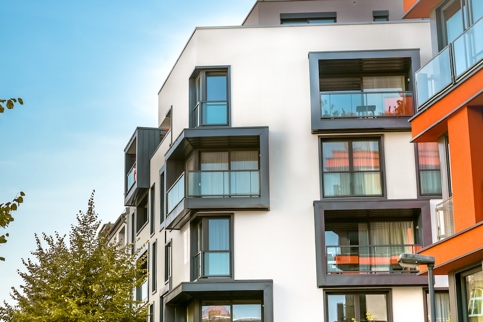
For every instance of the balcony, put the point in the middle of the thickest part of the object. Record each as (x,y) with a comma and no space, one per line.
(131,177)
(444,213)
(235,177)
(375,259)
(357,104)
(450,66)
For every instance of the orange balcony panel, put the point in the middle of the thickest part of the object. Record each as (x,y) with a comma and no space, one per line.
(419,9)
(459,250)
(429,124)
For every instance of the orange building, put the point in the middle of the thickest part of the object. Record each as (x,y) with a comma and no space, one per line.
(450,112)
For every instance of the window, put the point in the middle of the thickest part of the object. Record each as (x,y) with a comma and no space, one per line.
(167,262)
(152,209)
(161,309)
(212,245)
(141,214)
(151,312)
(233,173)
(162,192)
(308,18)
(380,15)
(441,301)
(349,307)
(228,311)
(368,243)
(429,168)
(351,167)
(154,274)
(142,291)
(210,98)
(471,295)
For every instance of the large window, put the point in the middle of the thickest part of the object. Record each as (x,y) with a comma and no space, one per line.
(221,174)
(142,290)
(212,244)
(231,311)
(141,214)
(351,167)
(441,303)
(429,168)
(471,295)
(360,307)
(210,98)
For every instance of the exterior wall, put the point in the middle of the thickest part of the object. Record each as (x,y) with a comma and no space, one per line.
(270,87)
(348,11)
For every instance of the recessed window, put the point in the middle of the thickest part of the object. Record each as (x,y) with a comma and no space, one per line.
(152,199)
(429,168)
(210,103)
(351,167)
(154,261)
(212,241)
(162,194)
(167,262)
(142,290)
(142,214)
(308,18)
(350,307)
(380,15)
(227,311)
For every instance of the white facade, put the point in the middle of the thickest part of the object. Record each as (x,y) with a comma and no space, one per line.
(269,86)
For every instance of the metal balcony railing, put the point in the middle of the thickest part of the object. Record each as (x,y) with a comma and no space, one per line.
(367,259)
(450,64)
(444,215)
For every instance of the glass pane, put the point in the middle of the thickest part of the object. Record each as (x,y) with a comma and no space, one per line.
(365,155)
(247,312)
(430,182)
(219,234)
(453,20)
(367,183)
(337,184)
(474,293)
(428,156)
(336,156)
(216,263)
(476,9)
(215,87)
(244,183)
(468,49)
(341,308)
(244,160)
(218,313)
(214,113)
(214,161)
(441,301)
(373,307)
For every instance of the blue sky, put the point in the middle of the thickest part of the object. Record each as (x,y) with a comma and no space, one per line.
(88,72)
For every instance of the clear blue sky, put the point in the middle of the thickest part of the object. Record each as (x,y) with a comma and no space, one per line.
(88,72)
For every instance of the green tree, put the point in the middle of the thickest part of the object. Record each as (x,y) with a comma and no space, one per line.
(86,278)
(6,217)
(9,103)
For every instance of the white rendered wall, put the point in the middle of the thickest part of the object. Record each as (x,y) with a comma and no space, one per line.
(408,304)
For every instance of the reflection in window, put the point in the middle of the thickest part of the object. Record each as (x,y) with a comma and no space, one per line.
(474,293)
(351,168)
(429,168)
(231,312)
(210,101)
(357,307)
(441,301)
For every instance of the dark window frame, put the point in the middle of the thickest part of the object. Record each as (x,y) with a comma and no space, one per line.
(168,263)
(142,210)
(202,220)
(338,280)
(419,177)
(162,197)
(308,18)
(337,125)
(152,209)
(380,15)
(461,296)
(381,291)
(201,72)
(230,302)
(350,139)
(153,267)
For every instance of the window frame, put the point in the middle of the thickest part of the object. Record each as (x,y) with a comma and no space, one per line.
(200,74)
(162,197)
(153,267)
(230,303)
(152,209)
(308,18)
(461,290)
(419,177)
(168,263)
(199,248)
(380,15)
(350,139)
(382,291)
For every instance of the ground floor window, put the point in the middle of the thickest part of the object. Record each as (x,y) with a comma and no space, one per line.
(357,307)
(441,303)
(221,311)
(471,294)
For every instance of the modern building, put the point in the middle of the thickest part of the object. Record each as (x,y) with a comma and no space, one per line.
(450,114)
(281,183)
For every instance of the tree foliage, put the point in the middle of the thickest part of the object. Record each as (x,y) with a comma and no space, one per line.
(86,278)
(9,103)
(6,217)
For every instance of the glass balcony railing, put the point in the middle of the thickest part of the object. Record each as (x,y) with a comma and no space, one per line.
(175,193)
(366,104)
(131,177)
(235,183)
(366,259)
(450,64)
(444,213)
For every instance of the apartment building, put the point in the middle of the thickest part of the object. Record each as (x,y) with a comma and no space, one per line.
(450,116)
(281,183)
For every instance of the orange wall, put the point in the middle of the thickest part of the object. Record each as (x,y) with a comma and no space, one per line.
(465,130)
